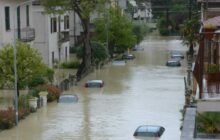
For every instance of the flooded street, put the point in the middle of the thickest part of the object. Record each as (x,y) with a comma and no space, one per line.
(143,92)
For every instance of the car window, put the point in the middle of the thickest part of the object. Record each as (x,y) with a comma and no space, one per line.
(94,84)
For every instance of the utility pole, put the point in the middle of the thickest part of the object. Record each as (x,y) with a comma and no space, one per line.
(190,9)
(15,61)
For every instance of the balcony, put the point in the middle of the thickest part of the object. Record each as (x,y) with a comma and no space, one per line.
(63,36)
(36,2)
(27,34)
(207,64)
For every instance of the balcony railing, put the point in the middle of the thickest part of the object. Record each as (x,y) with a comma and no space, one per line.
(27,34)
(36,2)
(63,36)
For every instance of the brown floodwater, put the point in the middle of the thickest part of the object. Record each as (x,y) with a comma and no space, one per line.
(142,92)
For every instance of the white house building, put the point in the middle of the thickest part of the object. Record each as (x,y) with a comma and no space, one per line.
(27,21)
(52,35)
(16,21)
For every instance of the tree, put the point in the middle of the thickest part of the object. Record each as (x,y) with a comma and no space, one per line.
(83,8)
(29,65)
(99,53)
(139,30)
(189,32)
(119,30)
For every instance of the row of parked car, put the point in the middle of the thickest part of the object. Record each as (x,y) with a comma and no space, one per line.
(143,131)
(175,59)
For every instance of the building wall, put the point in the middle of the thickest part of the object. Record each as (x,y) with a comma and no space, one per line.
(41,34)
(46,42)
(8,36)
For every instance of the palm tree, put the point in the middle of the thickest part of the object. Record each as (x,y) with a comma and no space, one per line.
(189,32)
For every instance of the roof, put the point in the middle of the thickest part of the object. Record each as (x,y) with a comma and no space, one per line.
(212,21)
(208,1)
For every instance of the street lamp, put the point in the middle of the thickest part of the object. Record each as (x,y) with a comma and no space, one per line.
(15,62)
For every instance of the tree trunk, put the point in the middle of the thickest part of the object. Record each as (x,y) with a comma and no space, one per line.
(86,62)
(191,50)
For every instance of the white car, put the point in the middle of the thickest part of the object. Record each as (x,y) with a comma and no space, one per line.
(94,83)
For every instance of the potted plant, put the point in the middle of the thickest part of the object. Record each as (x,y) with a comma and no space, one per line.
(32,102)
(43,95)
(208,30)
(213,73)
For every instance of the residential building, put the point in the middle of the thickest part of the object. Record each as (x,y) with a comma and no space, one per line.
(27,21)
(52,35)
(209,8)
(206,70)
(16,21)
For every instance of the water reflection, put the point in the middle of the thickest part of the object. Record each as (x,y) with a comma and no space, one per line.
(142,92)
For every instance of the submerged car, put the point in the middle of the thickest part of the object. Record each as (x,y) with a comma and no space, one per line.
(94,83)
(128,56)
(119,62)
(68,98)
(137,49)
(177,55)
(173,63)
(152,131)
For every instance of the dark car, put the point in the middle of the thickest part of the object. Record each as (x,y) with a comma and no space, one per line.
(94,83)
(173,63)
(68,98)
(154,131)
(128,56)
(177,55)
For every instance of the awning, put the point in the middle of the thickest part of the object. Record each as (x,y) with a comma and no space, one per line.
(212,21)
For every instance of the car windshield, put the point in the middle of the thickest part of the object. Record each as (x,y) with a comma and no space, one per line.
(148,129)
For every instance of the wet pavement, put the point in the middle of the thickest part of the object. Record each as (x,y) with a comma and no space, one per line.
(142,92)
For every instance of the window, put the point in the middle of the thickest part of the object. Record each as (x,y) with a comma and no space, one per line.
(53,25)
(66,49)
(66,22)
(27,15)
(19,22)
(7,18)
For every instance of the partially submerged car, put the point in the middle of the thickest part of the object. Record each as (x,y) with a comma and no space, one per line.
(94,83)
(151,131)
(119,62)
(137,48)
(173,63)
(68,98)
(128,56)
(176,55)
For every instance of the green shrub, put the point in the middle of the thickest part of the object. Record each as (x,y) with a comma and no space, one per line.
(212,68)
(23,101)
(23,112)
(208,122)
(70,65)
(53,93)
(7,118)
(38,80)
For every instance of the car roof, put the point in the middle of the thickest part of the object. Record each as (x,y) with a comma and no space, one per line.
(67,95)
(96,81)
(173,60)
(149,128)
